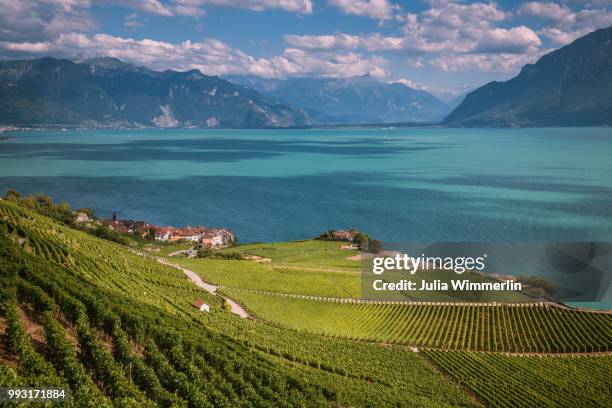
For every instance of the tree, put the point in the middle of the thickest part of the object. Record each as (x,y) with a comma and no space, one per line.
(12,195)
(151,234)
(88,211)
(362,240)
(375,246)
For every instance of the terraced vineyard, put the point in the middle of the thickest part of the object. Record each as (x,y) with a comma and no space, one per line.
(118,329)
(516,328)
(290,267)
(506,381)
(277,278)
(127,336)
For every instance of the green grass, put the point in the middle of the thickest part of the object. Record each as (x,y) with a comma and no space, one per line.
(486,328)
(286,274)
(269,277)
(306,254)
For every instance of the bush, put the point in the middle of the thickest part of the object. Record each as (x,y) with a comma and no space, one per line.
(210,254)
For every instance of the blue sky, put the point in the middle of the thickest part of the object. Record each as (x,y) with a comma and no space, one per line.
(443,46)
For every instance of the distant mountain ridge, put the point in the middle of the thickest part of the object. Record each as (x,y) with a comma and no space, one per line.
(351,100)
(107,91)
(571,86)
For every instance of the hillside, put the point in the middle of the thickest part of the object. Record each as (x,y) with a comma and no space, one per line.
(352,100)
(108,92)
(117,328)
(571,86)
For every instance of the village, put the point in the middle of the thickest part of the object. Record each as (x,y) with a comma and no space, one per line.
(202,236)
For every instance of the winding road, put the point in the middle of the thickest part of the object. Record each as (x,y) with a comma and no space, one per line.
(235,308)
(195,278)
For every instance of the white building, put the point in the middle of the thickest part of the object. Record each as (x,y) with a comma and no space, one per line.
(201,305)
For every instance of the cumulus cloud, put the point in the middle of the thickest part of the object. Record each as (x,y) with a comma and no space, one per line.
(472,40)
(562,37)
(457,15)
(564,24)
(37,21)
(515,40)
(376,9)
(151,6)
(503,62)
(188,7)
(449,26)
(196,8)
(547,11)
(210,56)
(323,42)
(468,34)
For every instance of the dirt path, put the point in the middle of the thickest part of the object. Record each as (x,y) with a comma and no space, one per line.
(236,308)
(195,278)
(183,251)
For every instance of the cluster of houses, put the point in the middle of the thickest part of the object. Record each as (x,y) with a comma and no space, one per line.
(350,237)
(207,237)
(342,235)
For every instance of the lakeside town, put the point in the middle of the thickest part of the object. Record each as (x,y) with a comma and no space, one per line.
(203,236)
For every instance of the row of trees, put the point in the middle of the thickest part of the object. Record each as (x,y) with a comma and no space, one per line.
(362,240)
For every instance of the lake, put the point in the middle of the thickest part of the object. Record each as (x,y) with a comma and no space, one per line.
(407,184)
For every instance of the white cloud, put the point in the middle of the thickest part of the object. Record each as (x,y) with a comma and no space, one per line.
(458,15)
(565,24)
(323,42)
(454,27)
(592,3)
(446,27)
(418,62)
(27,47)
(376,9)
(409,83)
(188,7)
(448,32)
(472,40)
(211,56)
(561,37)
(594,18)
(38,21)
(552,12)
(515,40)
(505,63)
(132,21)
(196,8)
(152,6)
(445,94)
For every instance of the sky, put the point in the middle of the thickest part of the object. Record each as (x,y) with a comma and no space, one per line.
(443,46)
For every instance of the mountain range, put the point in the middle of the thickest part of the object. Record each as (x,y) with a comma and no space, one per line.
(571,86)
(351,100)
(107,91)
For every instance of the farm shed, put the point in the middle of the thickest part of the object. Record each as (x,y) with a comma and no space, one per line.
(201,305)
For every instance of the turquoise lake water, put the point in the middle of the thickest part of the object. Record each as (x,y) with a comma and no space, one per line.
(274,185)
(399,185)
